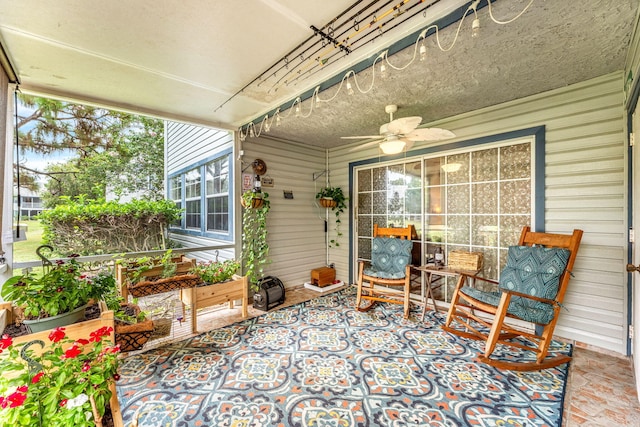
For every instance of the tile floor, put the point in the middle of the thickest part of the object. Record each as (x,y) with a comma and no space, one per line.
(600,392)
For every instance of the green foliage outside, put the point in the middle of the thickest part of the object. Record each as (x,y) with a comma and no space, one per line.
(112,151)
(91,227)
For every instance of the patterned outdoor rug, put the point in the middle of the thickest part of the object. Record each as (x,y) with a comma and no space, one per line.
(321,363)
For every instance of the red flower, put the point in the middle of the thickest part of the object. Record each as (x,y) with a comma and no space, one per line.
(16,399)
(82,341)
(5,342)
(97,334)
(72,352)
(59,262)
(57,334)
(22,389)
(3,402)
(36,378)
(86,367)
(63,402)
(116,377)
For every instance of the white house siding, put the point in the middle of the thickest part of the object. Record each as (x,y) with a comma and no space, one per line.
(185,146)
(296,231)
(586,178)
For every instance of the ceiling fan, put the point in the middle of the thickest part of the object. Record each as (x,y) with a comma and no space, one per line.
(400,134)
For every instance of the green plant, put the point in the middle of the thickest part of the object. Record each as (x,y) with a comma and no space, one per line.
(336,194)
(97,226)
(255,249)
(215,271)
(61,289)
(137,267)
(65,384)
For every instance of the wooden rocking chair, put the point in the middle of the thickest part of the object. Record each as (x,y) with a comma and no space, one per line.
(390,266)
(532,287)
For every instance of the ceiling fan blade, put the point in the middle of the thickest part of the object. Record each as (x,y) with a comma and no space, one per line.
(365,145)
(360,137)
(404,124)
(429,134)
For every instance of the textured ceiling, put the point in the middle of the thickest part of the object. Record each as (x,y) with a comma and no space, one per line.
(190,60)
(554,44)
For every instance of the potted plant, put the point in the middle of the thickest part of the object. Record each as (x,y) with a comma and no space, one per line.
(66,382)
(253,199)
(333,198)
(220,284)
(58,297)
(255,249)
(152,275)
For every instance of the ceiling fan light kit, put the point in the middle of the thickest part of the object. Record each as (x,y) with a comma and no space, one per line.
(399,135)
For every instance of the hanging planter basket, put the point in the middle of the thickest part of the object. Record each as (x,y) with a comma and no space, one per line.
(133,337)
(256,203)
(326,202)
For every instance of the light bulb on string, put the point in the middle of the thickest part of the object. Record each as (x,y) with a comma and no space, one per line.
(251,132)
(475,28)
(298,110)
(349,89)
(423,52)
(278,119)
(383,71)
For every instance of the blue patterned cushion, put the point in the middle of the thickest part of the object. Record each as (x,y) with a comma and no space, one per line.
(389,257)
(531,270)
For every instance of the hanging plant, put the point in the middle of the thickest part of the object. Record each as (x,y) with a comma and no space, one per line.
(334,199)
(255,249)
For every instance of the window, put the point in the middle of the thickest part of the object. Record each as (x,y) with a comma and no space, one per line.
(217,173)
(473,200)
(193,199)
(175,194)
(204,191)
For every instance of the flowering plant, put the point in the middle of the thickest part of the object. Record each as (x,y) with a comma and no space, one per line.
(64,384)
(215,271)
(61,289)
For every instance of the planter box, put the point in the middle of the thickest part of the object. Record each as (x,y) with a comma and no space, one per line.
(123,273)
(214,294)
(82,330)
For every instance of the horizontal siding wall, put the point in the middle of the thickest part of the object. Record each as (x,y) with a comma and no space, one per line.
(586,169)
(188,144)
(295,226)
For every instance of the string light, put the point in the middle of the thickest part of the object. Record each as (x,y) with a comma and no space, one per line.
(420,53)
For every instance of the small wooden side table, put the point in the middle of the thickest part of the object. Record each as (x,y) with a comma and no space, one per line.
(431,270)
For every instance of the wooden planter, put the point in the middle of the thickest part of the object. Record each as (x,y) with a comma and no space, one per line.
(83,330)
(123,277)
(214,294)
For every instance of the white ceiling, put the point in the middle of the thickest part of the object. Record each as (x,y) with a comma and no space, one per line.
(195,60)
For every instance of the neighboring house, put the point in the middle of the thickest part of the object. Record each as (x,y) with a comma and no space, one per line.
(199,166)
(30,204)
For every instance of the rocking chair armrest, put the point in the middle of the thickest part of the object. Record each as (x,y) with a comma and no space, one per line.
(480,278)
(520,294)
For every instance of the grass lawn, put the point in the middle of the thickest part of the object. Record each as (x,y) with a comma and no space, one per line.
(26,249)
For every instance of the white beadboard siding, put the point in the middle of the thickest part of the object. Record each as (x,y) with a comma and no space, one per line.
(586,179)
(296,233)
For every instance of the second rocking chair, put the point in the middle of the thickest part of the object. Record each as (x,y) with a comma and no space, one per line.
(532,287)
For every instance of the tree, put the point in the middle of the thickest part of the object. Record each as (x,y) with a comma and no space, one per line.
(121,149)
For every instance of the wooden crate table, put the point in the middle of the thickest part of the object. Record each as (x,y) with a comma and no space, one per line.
(217,293)
(123,273)
(323,276)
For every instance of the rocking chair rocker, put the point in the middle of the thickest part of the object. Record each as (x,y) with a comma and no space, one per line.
(532,287)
